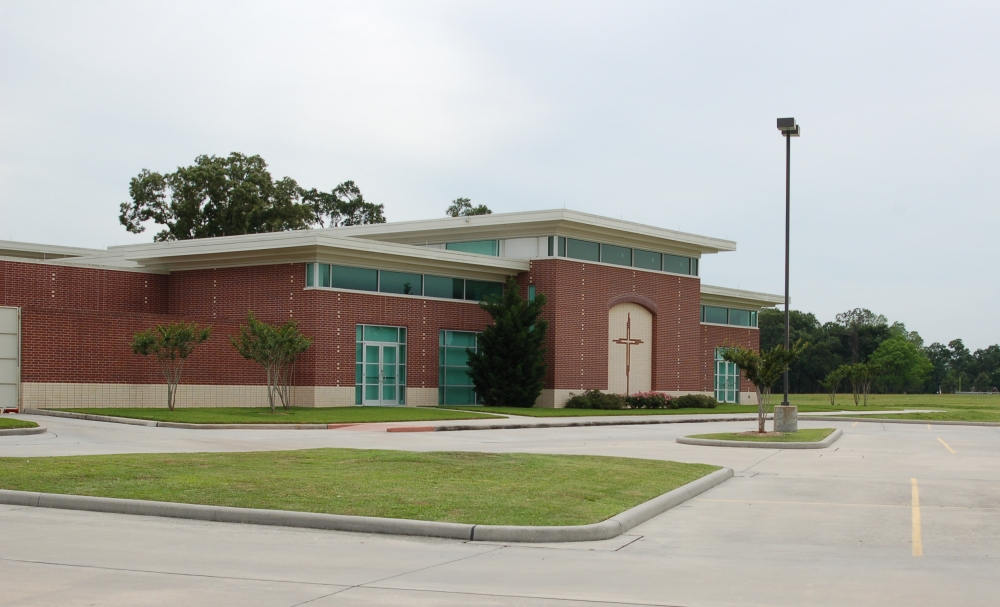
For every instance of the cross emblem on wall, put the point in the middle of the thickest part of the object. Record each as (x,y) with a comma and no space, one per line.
(628,342)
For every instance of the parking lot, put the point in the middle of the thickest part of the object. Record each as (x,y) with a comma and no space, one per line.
(891,514)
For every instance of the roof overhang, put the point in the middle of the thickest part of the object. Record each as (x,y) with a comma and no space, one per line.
(563,222)
(30,250)
(737,298)
(316,246)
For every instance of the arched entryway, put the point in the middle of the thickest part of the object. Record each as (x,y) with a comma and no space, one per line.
(630,348)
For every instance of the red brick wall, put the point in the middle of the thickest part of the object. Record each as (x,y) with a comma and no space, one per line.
(77,327)
(579,294)
(713,336)
(37,285)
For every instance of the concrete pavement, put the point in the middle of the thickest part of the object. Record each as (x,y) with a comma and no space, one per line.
(826,527)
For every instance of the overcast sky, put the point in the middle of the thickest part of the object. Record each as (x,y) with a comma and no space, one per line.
(655,112)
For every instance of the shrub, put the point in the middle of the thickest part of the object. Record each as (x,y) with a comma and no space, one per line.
(648,400)
(694,401)
(595,399)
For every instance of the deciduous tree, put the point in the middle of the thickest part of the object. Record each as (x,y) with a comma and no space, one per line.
(276,348)
(171,345)
(462,207)
(227,196)
(762,369)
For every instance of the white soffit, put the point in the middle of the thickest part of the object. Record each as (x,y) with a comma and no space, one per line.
(315,246)
(723,297)
(30,250)
(563,222)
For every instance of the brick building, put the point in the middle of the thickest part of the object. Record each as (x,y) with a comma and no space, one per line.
(390,307)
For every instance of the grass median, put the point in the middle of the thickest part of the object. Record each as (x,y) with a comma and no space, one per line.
(951,407)
(295,415)
(812,435)
(7,423)
(475,488)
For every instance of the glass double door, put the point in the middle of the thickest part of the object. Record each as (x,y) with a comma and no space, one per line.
(383,374)
(727,380)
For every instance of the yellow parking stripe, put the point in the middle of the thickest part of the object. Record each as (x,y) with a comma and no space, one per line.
(918,543)
(946,445)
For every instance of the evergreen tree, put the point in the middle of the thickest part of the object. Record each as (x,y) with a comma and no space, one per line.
(509,368)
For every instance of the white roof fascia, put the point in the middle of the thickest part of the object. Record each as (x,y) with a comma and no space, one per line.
(563,222)
(737,298)
(84,262)
(31,250)
(317,246)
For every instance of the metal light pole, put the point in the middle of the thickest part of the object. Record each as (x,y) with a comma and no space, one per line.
(789,129)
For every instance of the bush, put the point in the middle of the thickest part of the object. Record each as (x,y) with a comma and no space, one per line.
(595,399)
(648,400)
(694,401)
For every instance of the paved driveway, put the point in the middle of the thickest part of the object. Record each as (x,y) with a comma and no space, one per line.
(824,527)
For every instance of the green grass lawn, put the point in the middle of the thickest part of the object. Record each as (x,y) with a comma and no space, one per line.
(957,407)
(478,488)
(722,409)
(812,435)
(547,412)
(295,415)
(9,422)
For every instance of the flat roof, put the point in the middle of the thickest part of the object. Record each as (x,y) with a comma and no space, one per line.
(30,250)
(563,222)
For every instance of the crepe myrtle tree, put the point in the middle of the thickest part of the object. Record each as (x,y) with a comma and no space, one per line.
(170,344)
(762,369)
(509,368)
(276,348)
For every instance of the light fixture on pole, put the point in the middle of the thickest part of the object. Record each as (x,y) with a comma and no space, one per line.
(789,128)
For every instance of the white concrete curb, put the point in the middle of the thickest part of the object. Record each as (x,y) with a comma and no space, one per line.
(23,431)
(711,442)
(364,524)
(610,528)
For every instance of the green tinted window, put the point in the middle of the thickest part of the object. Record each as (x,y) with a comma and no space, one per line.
(310,275)
(324,275)
(454,384)
(361,279)
(646,260)
(715,315)
(621,256)
(458,396)
(583,249)
(551,245)
(463,339)
(676,264)
(456,357)
(562,247)
(372,333)
(399,282)
(753,319)
(739,317)
(481,247)
(531,292)
(439,286)
(480,290)
(694,266)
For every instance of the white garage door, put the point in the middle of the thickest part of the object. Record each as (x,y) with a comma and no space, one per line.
(10,349)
